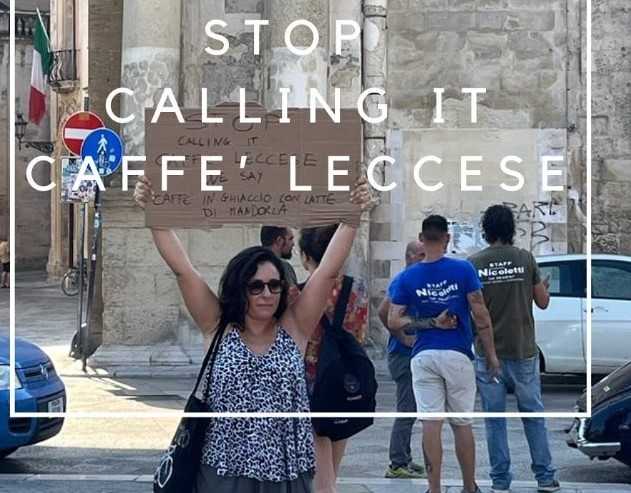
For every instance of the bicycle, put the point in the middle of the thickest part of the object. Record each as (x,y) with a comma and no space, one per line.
(71,281)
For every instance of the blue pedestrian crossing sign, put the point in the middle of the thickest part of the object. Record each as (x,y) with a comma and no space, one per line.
(105,147)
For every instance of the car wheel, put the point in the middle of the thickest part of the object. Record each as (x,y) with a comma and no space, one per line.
(6,451)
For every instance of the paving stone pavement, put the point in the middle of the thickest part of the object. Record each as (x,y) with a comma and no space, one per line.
(22,483)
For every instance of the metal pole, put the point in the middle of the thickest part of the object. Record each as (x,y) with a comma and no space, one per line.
(80,324)
(85,350)
(84,325)
(71,236)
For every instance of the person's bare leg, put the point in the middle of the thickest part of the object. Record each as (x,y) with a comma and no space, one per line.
(465,451)
(339,447)
(324,479)
(433,453)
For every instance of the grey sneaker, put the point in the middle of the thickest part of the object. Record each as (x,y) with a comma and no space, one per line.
(549,487)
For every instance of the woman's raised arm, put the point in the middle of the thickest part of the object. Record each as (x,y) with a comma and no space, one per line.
(305,313)
(200,300)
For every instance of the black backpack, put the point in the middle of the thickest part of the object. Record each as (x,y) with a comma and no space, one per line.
(345,378)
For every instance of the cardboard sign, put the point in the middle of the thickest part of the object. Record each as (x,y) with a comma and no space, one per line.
(256,188)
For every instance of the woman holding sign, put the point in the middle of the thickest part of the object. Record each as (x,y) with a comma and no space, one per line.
(351,305)
(259,364)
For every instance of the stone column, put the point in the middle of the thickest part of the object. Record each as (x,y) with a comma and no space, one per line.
(150,61)
(222,76)
(140,298)
(382,229)
(101,57)
(299,73)
(345,72)
(66,104)
(62,105)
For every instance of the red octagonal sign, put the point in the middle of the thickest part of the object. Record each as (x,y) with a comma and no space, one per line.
(77,127)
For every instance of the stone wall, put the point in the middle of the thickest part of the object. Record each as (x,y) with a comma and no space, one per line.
(520,51)
(31,211)
(517,49)
(611,126)
(523,52)
(541,217)
(32,208)
(4,123)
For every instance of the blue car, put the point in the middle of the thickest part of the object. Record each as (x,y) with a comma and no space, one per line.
(39,389)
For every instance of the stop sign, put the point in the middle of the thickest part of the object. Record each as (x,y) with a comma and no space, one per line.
(77,127)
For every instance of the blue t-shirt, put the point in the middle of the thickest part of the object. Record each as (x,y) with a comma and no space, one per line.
(394,345)
(428,288)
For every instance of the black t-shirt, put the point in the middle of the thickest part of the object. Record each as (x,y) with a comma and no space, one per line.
(508,276)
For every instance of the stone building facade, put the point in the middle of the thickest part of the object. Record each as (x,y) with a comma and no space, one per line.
(528,54)
(611,126)
(32,209)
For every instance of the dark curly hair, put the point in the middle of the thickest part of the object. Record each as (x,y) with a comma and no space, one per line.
(270,233)
(314,241)
(233,297)
(498,223)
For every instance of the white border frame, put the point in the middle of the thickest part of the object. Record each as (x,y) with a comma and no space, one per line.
(162,414)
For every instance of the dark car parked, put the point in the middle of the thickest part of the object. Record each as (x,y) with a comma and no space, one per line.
(38,389)
(607,433)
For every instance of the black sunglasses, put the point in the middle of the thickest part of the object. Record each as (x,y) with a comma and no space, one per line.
(256,287)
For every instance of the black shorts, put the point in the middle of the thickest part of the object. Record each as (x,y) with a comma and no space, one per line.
(6,267)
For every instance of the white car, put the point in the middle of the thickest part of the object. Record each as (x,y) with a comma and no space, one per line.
(561,330)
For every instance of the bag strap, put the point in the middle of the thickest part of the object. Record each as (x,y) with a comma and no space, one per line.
(342,302)
(210,355)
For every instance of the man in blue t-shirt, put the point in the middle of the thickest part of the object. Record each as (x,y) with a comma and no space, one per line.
(442,358)
(399,355)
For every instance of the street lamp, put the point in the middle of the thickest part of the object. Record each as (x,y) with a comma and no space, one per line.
(20,129)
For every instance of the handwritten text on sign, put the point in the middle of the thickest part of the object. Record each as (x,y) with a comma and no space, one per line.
(237,172)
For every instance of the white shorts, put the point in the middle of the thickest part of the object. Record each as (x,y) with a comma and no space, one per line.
(444,381)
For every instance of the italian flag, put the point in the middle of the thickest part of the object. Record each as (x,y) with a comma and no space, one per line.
(42,61)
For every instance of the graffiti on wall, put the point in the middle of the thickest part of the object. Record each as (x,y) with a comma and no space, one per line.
(533,220)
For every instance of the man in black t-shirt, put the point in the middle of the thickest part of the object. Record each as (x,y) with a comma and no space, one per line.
(510,283)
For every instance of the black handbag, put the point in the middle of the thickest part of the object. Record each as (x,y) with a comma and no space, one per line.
(179,464)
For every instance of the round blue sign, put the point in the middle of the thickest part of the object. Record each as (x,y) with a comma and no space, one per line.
(105,147)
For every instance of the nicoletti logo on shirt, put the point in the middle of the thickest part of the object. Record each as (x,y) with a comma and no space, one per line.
(440,289)
(496,269)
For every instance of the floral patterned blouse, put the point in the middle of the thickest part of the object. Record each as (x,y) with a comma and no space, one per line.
(355,321)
